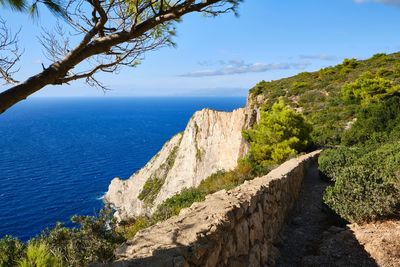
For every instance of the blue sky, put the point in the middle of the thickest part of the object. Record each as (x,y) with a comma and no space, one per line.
(227,55)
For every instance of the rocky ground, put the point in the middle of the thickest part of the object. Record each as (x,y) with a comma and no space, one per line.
(313,237)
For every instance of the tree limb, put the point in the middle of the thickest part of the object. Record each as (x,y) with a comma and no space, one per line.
(116,33)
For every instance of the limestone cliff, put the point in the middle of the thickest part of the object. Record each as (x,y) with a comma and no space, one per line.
(212,141)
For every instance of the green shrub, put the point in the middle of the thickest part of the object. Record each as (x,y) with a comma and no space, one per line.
(378,56)
(375,121)
(93,241)
(381,58)
(367,89)
(130,229)
(348,65)
(11,251)
(280,134)
(256,90)
(150,189)
(153,185)
(298,87)
(368,189)
(383,72)
(38,254)
(227,179)
(332,161)
(360,195)
(174,204)
(326,72)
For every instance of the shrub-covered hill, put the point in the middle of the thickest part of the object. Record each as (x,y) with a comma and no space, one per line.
(354,106)
(320,97)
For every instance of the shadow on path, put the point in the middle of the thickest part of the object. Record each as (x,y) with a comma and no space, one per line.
(313,237)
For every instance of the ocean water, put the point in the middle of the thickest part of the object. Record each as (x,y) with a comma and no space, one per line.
(57,156)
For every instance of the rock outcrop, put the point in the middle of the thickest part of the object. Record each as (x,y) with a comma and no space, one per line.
(212,141)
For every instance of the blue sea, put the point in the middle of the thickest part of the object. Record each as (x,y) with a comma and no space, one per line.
(57,156)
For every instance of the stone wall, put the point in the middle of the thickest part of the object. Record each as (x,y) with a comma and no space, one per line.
(230,228)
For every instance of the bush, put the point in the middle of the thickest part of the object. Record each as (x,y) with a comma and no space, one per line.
(348,65)
(150,189)
(173,205)
(298,87)
(280,134)
(332,161)
(376,121)
(38,254)
(367,89)
(360,195)
(383,72)
(129,230)
(368,189)
(378,56)
(11,251)
(93,241)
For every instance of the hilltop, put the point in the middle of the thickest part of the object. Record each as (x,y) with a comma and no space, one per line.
(317,95)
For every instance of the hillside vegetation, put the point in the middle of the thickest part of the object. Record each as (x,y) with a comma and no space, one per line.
(320,98)
(354,108)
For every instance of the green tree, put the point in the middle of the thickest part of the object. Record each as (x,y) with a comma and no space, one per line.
(368,88)
(280,134)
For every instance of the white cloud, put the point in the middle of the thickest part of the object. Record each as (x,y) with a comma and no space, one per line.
(232,67)
(386,2)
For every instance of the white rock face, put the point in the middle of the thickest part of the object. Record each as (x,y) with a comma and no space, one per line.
(212,141)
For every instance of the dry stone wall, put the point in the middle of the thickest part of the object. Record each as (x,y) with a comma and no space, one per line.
(230,228)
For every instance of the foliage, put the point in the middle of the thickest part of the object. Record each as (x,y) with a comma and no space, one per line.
(129,229)
(11,251)
(348,65)
(332,161)
(38,254)
(107,36)
(150,189)
(153,185)
(367,89)
(376,121)
(93,241)
(22,5)
(280,134)
(321,101)
(174,204)
(227,179)
(368,189)
(297,87)
(367,172)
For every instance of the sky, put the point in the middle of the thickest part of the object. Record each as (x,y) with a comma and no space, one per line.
(227,55)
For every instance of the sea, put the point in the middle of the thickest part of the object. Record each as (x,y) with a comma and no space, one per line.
(58,155)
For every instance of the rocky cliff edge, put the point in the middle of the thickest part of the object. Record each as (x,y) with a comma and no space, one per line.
(211,142)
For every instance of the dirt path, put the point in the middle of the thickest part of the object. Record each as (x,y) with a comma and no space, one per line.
(313,238)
